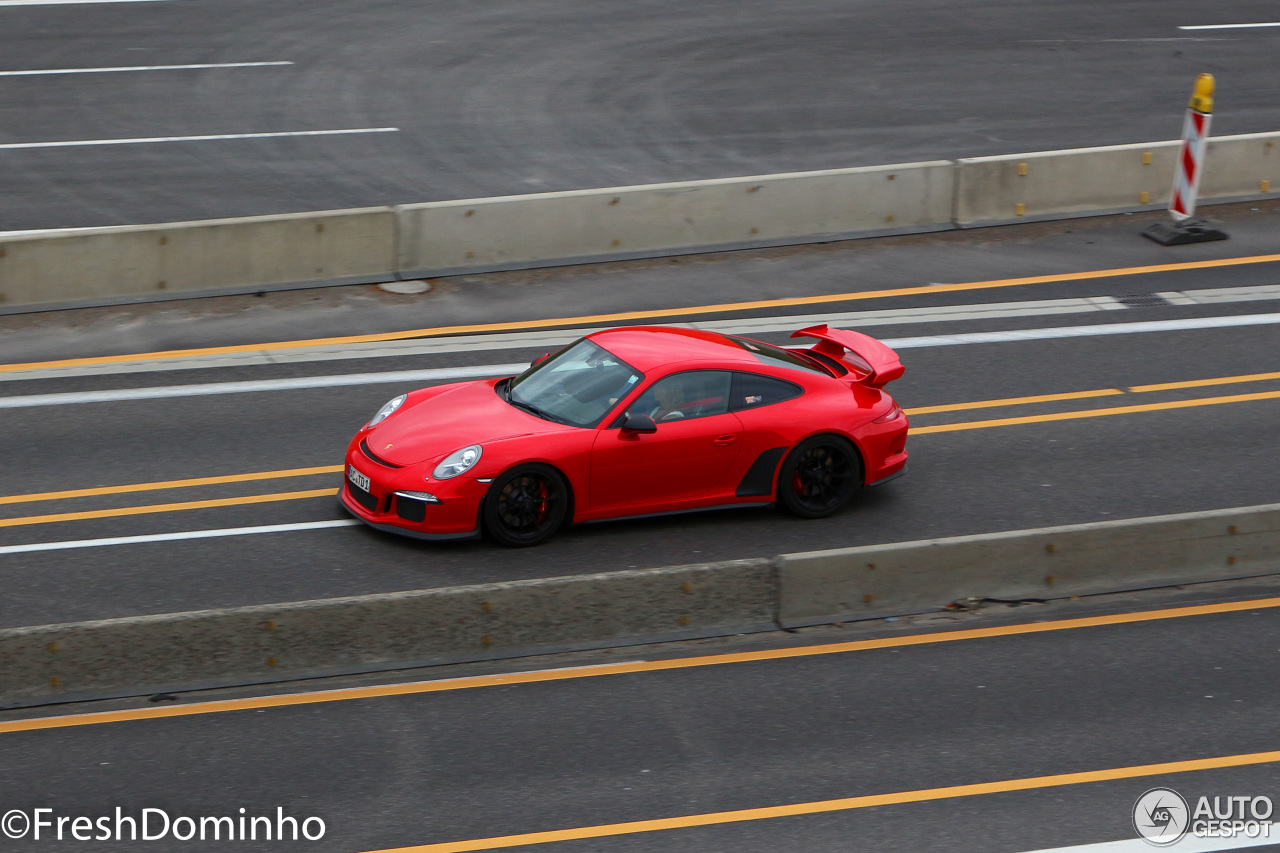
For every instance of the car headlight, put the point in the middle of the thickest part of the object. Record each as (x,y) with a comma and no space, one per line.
(386,410)
(458,462)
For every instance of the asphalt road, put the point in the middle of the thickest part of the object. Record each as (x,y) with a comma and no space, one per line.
(1219,453)
(600,749)
(455,100)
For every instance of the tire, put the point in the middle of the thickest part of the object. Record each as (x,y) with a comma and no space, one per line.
(819,476)
(525,506)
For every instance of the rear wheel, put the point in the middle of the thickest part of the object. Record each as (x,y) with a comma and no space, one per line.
(819,476)
(525,506)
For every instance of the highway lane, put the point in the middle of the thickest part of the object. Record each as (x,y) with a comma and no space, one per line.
(1104,687)
(458,101)
(994,477)
(988,479)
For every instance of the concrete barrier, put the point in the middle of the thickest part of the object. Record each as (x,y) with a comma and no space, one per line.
(277,642)
(1247,165)
(58,268)
(370,633)
(1093,181)
(643,221)
(913,577)
(95,266)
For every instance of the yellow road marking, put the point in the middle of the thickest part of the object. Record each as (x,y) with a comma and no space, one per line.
(171,484)
(445,685)
(921,410)
(1013,401)
(174,507)
(1097,413)
(1101,392)
(845,804)
(1200,383)
(622,316)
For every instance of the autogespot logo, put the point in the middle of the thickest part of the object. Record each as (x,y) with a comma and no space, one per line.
(1161,817)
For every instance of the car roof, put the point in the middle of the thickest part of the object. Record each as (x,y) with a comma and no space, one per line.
(649,347)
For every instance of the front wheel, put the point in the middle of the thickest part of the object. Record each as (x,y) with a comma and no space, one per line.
(525,506)
(819,476)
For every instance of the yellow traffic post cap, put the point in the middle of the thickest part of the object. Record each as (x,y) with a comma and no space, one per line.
(1202,96)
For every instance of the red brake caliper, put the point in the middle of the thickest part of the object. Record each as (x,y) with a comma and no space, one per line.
(542,500)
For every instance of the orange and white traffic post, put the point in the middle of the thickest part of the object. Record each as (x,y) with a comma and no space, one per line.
(1186,228)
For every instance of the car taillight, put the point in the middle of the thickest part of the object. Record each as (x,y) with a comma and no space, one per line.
(891,415)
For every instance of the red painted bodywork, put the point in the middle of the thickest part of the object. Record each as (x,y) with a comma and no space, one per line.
(613,473)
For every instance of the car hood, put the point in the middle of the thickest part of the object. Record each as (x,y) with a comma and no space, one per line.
(453,418)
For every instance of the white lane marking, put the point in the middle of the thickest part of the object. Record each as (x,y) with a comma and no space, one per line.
(1188,844)
(1230,26)
(71,143)
(483,370)
(1084,331)
(39,72)
(1115,41)
(559,337)
(1217,295)
(338,381)
(173,537)
(68,2)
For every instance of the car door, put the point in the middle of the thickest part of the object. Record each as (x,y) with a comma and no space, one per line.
(690,455)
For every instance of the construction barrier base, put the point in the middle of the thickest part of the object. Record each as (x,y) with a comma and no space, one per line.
(1193,230)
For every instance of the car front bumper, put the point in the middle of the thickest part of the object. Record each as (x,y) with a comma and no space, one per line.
(455,514)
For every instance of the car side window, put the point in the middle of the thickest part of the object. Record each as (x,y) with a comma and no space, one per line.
(752,391)
(682,396)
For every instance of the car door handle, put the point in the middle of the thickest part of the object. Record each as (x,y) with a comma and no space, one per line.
(724,440)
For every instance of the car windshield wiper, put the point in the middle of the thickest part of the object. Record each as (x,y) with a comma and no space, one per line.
(533,410)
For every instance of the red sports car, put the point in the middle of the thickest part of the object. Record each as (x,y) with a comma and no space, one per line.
(630,422)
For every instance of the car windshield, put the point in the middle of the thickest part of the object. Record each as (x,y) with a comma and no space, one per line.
(578,385)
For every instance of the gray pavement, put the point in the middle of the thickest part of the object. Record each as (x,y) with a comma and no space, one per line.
(568,94)
(482,762)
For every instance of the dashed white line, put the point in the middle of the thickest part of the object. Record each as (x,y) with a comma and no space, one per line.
(73,2)
(174,537)
(337,381)
(71,143)
(1086,331)
(1229,26)
(45,71)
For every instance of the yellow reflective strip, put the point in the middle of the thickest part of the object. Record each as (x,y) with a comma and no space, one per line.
(1013,401)
(1201,383)
(1097,413)
(845,804)
(174,507)
(171,484)
(571,673)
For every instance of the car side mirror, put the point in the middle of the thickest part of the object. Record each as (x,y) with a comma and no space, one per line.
(638,422)
(541,358)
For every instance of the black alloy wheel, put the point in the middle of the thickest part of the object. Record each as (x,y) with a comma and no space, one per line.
(819,476)
(525,506)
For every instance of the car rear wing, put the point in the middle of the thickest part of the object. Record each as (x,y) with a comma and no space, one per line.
(878,361)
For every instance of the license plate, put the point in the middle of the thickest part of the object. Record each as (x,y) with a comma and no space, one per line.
(357,479)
